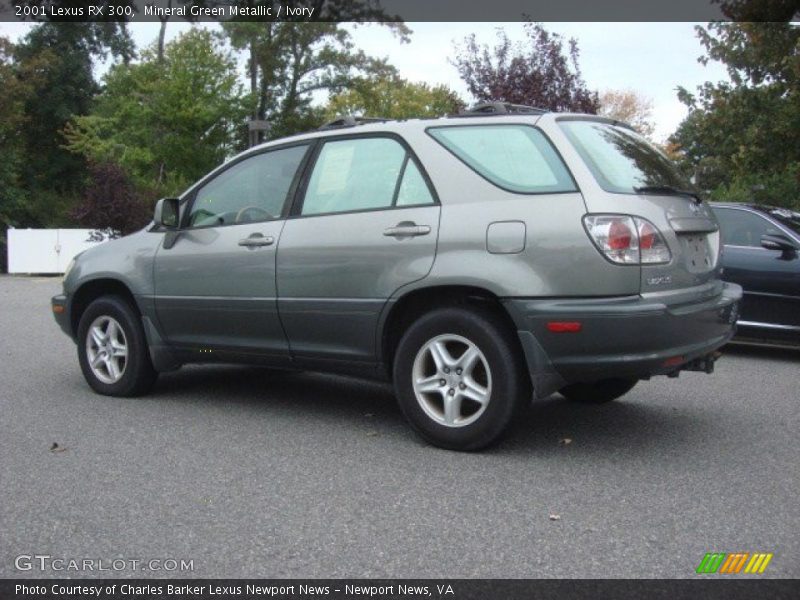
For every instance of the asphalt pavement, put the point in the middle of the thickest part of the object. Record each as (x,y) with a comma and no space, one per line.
(252,473)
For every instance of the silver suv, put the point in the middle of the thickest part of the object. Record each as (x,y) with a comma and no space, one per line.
(475,261)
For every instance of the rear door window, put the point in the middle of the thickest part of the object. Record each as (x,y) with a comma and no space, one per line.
(413,188)
(517,158)
(364,174)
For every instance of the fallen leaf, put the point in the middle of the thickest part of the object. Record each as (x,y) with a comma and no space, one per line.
(372,433)
(555,517)
(56,448)
(368,415)
(565,441)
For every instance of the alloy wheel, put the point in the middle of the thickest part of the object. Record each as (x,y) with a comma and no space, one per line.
(107,349)
(452,380)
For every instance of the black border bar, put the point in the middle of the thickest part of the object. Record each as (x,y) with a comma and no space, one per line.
(706,588)
(136,11)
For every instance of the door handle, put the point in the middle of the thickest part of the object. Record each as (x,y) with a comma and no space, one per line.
(407,229)
(256,240)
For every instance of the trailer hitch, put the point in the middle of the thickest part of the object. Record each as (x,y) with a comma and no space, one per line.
(703,364)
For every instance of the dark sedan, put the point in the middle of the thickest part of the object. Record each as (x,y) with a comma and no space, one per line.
(761,245)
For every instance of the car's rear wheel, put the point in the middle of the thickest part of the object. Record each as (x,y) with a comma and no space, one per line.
(459,378)
(598,392)
(112,349)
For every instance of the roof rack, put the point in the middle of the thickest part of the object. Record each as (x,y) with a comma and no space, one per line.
(500,108)
(351,121)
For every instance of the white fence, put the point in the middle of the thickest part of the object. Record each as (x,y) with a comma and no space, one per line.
(46,250)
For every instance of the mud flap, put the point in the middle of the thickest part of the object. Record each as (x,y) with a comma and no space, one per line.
(160,353)
(544,377)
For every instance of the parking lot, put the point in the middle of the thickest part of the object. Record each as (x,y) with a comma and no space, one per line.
(253,473)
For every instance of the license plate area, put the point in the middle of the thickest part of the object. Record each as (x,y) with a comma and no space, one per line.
(697,252)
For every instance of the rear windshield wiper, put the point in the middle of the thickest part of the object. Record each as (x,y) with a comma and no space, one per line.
(667,189)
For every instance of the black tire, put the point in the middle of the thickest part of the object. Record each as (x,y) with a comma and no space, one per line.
(598,392)
(510,389)
(138,374)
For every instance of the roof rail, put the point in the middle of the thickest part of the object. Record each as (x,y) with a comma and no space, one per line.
(500,108)
(351,121)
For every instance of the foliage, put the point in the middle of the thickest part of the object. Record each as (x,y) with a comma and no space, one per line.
(394,98)
(14,93)
(742,137)
(759,10)
(101,36)
(13,196)
(167,123)
(55,61)
(111,201)
(628,106)
(537,73)
(289,61)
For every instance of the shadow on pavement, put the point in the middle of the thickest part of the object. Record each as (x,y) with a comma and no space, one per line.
(276,388)
(634,426)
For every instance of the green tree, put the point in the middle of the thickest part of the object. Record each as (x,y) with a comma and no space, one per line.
(742,137)
(394,98)
(15,92)
(166,122)
(102,35)
(55,61)
(288,62)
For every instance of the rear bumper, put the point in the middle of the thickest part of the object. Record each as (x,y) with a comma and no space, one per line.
(632,336)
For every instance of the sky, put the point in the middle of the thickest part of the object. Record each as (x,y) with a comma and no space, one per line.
(650,58)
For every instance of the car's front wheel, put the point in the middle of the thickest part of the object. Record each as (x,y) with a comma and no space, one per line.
(112,349)
(459,378)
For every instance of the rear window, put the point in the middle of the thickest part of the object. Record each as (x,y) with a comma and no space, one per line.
(517,158)
(620,159)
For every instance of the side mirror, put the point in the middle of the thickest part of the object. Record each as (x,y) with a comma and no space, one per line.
(777,242)
(166,213)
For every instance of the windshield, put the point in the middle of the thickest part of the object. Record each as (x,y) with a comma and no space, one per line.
(788,218)
(622,160)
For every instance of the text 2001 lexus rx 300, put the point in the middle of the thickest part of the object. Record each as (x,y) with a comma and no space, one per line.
(475,261)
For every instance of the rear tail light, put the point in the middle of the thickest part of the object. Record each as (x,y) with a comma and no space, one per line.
(653,250)
(627,240)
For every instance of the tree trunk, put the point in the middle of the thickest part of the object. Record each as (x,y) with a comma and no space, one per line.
(254,77)
(162,34)
(262,94)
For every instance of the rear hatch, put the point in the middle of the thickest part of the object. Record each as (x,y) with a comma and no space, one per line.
(638,180)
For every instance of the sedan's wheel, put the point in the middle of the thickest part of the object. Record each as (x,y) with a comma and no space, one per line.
(598,392)
(112,349)
(459,378)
